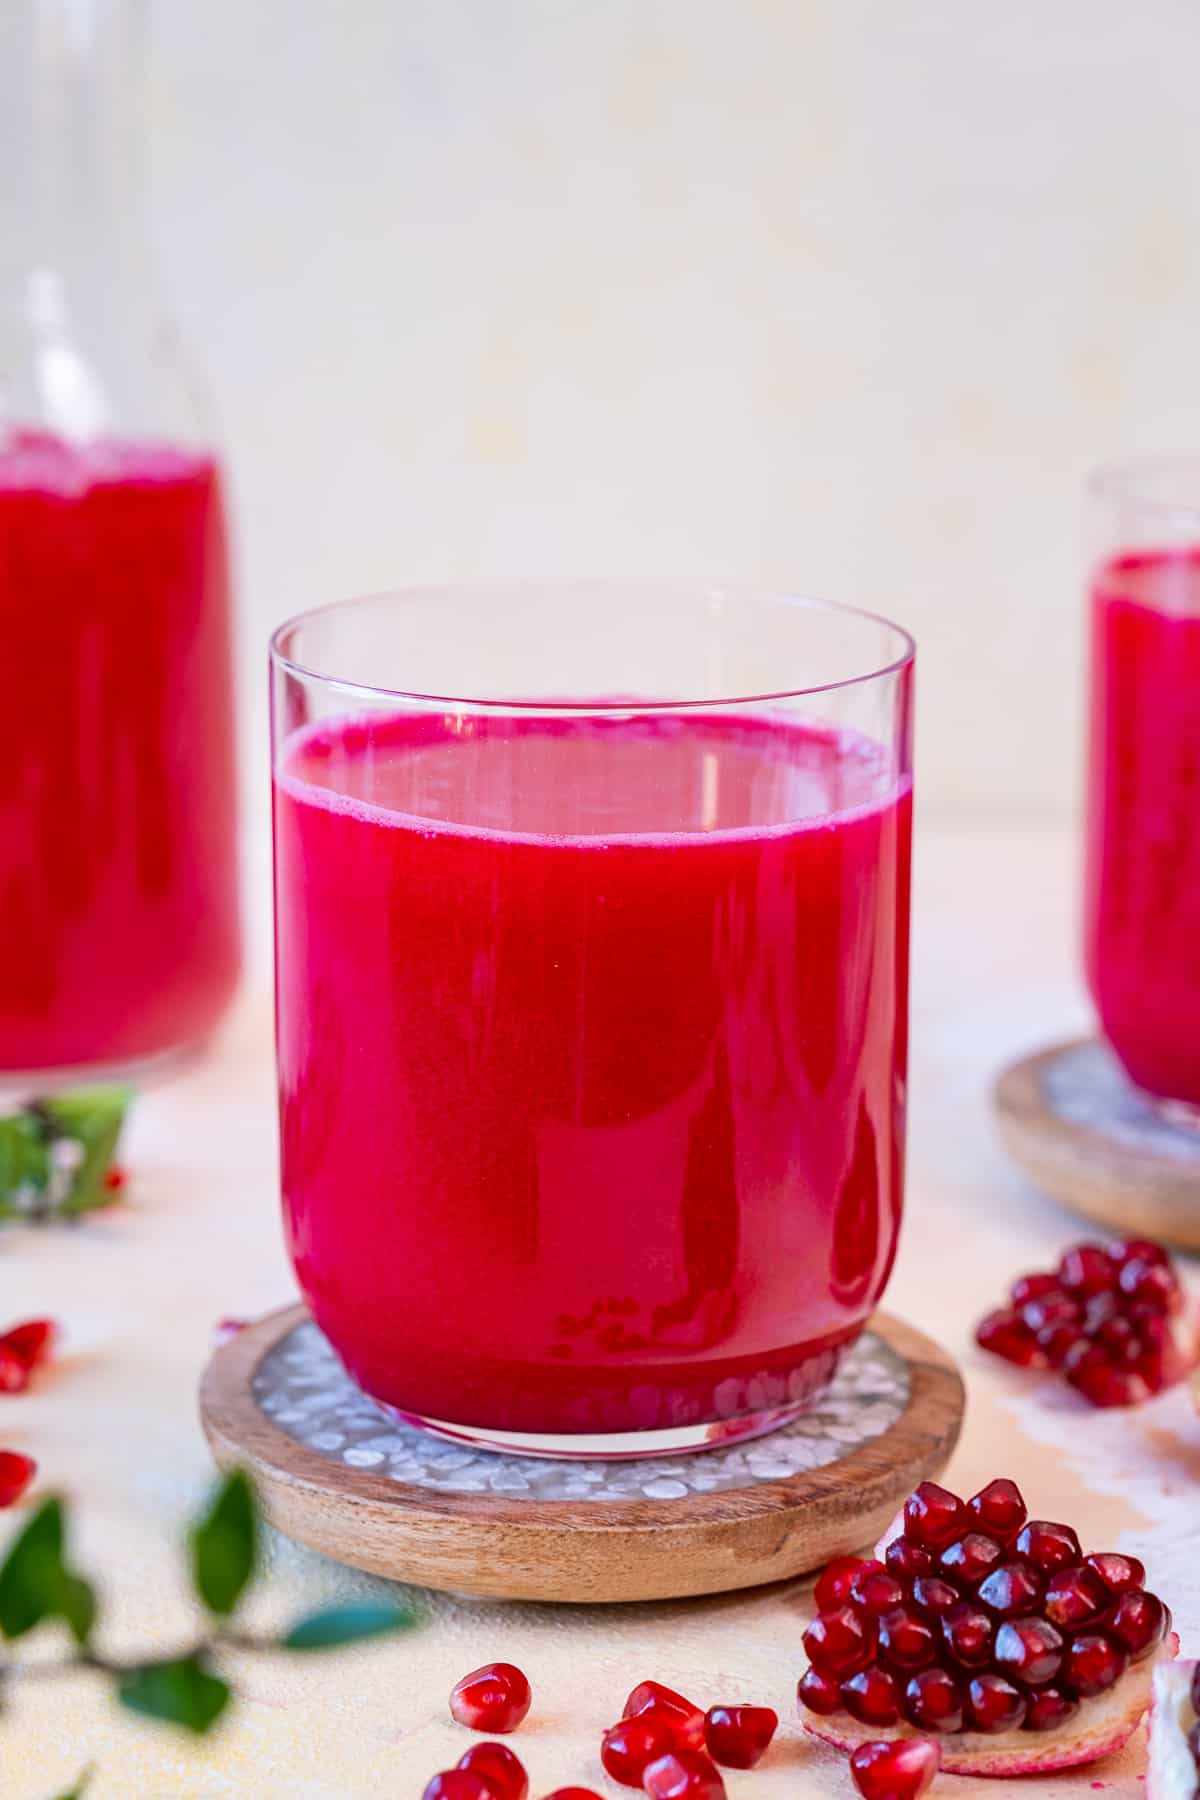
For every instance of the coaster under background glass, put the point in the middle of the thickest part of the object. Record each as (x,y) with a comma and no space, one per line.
(1084,1134)
(338,1474)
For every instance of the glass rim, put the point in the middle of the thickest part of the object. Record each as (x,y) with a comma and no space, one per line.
(289,664)
(1126,480)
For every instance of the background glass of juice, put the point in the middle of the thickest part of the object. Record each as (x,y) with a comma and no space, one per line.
(592,913)
(1142,909)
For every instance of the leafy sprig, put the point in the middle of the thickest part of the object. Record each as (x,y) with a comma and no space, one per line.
(40,1586)
(56,1153)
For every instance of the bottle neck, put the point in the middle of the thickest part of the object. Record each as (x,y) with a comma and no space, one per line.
(71,101)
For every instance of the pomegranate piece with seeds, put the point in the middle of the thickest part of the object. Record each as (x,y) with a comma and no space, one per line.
(894,1771)
(493,1698)
(503,1772)
(16,1473)
(1044,1663)
(686,1718)
(684,1775)
(1115,1323)
(739,1736)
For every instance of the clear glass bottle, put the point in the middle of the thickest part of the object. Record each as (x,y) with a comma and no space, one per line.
(118,878)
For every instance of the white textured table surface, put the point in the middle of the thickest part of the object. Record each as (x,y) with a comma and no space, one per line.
(139,1289)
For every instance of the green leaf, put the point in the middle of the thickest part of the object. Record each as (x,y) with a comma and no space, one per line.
(347,1624)
(224,1544)
(182,1692)
(94,1117)
(24,1157)
(77,1605)
(32,1574)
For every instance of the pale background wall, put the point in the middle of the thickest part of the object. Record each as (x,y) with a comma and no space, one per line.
(844,295)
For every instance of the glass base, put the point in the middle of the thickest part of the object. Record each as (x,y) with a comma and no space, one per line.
(683,1440)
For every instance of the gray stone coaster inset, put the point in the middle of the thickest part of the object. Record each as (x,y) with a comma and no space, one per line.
(301,1386)
(1086,1086)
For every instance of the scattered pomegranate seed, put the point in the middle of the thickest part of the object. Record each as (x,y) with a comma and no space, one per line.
(31,1342)
(872,1696)
(900,1771)
(628,1748)
(739,1736)
(1108,1320)
(684,1775)
(1020,1645)
(687,1719)
(573,1794)
(493,1698)
(115,1178)
(459,1784)
(16,1473)
(833,1589)
(503,1772)
(14,1374)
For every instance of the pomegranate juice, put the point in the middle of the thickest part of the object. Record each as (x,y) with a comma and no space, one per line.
(588,1126)
(1143,872)
(118,901)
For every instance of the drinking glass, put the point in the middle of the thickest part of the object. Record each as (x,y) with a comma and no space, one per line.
(592,911)
(1142,923)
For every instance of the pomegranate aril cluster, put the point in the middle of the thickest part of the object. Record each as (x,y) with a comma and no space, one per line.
(1114,1322)
(978,1619)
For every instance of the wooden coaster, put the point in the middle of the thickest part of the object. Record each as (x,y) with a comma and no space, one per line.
(337,1472)
(1088,1137)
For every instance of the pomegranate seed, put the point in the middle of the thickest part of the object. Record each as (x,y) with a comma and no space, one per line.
(1048,1546)
(14,1374)
(115,1178)
(906,1641)
(573,1794)
(1033,1287)
(994,1704)
(1092,1664)
(1105,1385)
(1121,1342)
(1087,1269)
(833,1589)
(1054,1310)
(459,1784)
(1049,1708)
(16,1473)
(933,1516)
(1118,1573)
(971,1559)
(908,1561)
(686,1718)
(876,1590)
(1005,1334)
(1150,1284)
(998,1509)
(818,1692)
(1139,1623)
(739,1736)
(933,1596)
(1058,1341)
(933,1701)
(1028,1651)
(968,1632)
(840,1643)
(628,1748)
(1012,1591)
(684,1775)
(32,1342)
(1140,1249)
(503,1772)
(899,1771)
(1075,1597)
(493,1698)
(872,1696)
